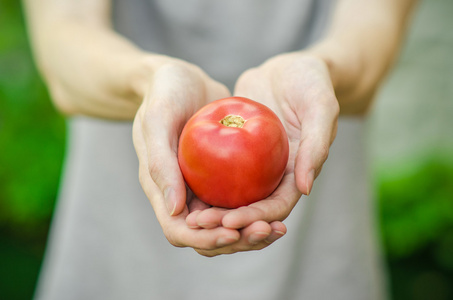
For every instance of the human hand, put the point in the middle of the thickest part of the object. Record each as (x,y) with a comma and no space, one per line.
(298,88)
(177,91)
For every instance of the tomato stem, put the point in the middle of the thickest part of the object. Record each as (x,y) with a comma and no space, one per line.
(233,121)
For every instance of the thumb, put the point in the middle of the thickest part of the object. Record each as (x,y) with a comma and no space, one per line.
(318,132)
(176,92)
(159,164)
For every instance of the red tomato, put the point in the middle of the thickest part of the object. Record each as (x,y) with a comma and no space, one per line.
(233,152)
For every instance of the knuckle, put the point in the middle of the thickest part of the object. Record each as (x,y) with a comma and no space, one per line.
(252,74)
(328,101)
(323,152)
(281,209)
(172,239)
(336,106)
(155,167)
(61,99)
(152,114)
(206,253)
(181,74)
(217,90)
(142,176)
(247,76)
(250,247)
(175,67)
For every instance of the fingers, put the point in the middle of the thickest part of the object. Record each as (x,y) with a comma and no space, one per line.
(179,235)
(216,91)
(175,228)
(159,162)
(177,91)
(278,230)
(207,218)
(156,127)
(214,241)
(318,131)
(256,236)
(275,208)
(144,170)
(255,85)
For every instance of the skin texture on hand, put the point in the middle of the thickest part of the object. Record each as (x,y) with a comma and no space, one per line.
(297,86)
(177,91)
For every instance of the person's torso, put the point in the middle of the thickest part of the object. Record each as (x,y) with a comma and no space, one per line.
(223,37)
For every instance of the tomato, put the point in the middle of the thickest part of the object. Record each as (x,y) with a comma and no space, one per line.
(233,152)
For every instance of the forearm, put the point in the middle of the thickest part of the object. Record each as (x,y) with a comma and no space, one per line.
(361,46)
(89,68)
(94,79)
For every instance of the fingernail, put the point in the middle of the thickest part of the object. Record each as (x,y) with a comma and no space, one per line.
(310,180)
(169,200)
(226,240)
(274,236)
(257,237)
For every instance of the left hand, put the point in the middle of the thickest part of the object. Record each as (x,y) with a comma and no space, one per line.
(298,88)
(178,89)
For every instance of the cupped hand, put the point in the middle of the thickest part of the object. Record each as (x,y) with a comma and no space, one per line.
(177,90)
(298,88)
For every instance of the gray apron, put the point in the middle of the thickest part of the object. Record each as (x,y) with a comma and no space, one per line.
(105,241)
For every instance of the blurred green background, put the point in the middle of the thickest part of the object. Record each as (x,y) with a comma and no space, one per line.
(410,146)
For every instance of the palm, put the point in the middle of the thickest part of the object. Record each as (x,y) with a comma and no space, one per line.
(298,88)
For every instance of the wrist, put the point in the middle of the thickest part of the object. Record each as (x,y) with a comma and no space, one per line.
(144,68)
(352,79)
(142,73)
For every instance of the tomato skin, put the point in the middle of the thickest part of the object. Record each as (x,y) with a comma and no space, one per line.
(229,166)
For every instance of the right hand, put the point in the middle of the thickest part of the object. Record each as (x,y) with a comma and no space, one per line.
(175,92)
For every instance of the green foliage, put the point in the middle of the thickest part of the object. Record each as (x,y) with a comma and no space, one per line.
(31,132)
(417,211)
(19,268)
(417,227)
